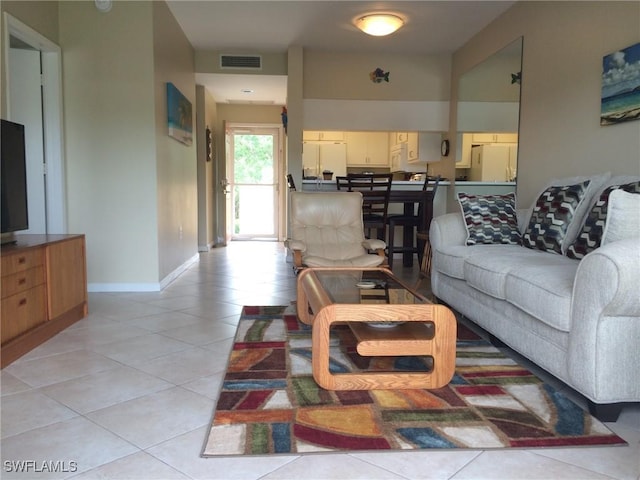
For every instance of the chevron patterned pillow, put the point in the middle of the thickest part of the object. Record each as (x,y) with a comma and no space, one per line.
(490,218)
(552,214)
(591,235)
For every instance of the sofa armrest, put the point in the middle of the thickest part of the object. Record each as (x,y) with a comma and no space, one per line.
(448,229)
(605,323)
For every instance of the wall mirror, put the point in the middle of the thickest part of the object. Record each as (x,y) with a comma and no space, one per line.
(488,117)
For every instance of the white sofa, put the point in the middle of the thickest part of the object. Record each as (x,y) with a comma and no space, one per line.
(577,319)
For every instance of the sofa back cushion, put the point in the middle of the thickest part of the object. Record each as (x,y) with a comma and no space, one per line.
(623,219)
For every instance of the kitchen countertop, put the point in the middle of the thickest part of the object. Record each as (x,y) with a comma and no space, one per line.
(412,183)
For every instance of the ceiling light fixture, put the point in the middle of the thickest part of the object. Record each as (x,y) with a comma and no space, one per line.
(379,24)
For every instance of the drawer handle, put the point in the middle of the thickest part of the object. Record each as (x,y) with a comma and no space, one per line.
(22,281)
(23,301)
(22,260)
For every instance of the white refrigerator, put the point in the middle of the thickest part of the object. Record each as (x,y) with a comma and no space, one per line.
(318,157)
(490,163)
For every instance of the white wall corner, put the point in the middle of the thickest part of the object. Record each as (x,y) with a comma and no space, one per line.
(143,287)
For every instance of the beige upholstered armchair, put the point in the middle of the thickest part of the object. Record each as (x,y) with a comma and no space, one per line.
(327,231)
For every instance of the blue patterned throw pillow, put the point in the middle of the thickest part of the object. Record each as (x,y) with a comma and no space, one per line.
(591,235)
(552,214)
(490,218)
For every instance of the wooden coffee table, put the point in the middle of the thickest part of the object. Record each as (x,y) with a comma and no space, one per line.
(360,297)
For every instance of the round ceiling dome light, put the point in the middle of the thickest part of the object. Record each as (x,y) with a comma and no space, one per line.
(379,24)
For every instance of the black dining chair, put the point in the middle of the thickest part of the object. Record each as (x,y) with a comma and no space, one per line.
(419,220)
(375,189)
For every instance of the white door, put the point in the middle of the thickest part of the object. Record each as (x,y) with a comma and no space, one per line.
(254,179)
(25,97)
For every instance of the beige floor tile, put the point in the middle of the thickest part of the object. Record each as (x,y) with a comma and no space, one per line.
(431,465)
(139,466)
(185,366)
(523,465)
(330,466)
(59,368)
(207,386)
(202,332)
(183,454)
(141,349)
(94,392)
(10,384)
(25,411)
(157,417)
(76,440)
(164,321)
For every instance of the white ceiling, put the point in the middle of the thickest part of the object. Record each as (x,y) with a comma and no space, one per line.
(265,26)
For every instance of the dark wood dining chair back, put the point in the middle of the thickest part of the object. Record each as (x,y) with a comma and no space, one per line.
(375,189)
(342,183)
(419,220)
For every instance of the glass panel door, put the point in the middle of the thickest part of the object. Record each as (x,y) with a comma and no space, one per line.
(254,190)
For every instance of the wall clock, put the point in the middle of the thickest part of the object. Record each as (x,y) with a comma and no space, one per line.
(444,148)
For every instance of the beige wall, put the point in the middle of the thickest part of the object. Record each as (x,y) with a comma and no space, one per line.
(110,139)
(176,162)
(334,75)
(560,133)
(131,188)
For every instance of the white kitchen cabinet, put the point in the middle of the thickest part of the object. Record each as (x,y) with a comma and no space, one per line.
(327,136)
(464,147)
(423,147)
(318,157)
(367,149)
(495,138)
(398,138)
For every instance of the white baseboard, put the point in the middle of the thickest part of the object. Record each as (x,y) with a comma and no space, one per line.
(205,248)
(176,273)
(143,287)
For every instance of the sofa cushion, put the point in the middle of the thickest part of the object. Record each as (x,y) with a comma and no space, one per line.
(623,217)
(490,218)
(554,211)
(590,236)
(489,272)
(450,259)
(544,290)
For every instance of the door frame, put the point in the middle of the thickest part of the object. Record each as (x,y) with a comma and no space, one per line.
(52,118)
(279,170)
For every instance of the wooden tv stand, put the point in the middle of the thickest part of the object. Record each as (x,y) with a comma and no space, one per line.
(44,290)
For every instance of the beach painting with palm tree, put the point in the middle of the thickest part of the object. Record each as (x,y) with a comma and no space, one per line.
(620,100)
(179,115)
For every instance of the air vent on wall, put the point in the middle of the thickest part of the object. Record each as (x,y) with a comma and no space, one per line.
(241,61)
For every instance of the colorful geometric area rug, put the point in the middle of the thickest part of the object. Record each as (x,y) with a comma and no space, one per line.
(270,404)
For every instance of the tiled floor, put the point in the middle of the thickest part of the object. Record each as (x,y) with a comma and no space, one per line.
(129,391)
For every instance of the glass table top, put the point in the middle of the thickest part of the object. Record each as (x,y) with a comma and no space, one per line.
(365,287)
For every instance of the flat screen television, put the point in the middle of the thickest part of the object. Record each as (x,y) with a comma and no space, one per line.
(13,180)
